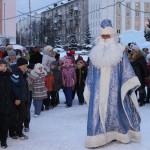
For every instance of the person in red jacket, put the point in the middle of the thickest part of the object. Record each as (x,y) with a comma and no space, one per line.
(49,82)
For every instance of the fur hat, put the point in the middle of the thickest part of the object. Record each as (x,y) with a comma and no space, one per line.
(106,27)
(48,48)
(11,52)
(35,72)
(37,66)
(135,47)
(21,61)
(9,47)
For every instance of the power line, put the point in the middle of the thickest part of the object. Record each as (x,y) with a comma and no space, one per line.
(97,10)
(135,9)
(28,13)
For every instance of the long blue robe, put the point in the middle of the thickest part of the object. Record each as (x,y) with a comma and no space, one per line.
(113,107)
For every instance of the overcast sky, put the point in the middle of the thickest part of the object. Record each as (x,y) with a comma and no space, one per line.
(23,5)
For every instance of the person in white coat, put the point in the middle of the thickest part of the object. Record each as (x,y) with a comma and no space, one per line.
(48,56)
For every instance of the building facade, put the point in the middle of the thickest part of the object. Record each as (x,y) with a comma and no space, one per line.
(7,22)
(125,15)
(59,22)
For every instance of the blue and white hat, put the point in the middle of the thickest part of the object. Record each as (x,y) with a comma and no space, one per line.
(106,27)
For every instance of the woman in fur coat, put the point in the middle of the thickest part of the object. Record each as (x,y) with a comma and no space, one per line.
(138,63)
(39,91)
(48,56)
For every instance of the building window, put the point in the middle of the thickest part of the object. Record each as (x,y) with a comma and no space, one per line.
(128,5)
(128,14)
(127,23)
(137,14)
(137,5)
(118,23)
(118,31)
(146,14)
(118,4)
(118,14)
(137,24)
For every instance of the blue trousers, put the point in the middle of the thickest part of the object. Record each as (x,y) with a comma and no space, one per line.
(37,105)
(68,95)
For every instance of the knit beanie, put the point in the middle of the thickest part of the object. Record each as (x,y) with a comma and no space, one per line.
(2,61)
(54,63)
(21,61)
(69,61)
(80,57)
(135,47)
(11,52)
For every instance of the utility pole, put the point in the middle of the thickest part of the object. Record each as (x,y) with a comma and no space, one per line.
(30,25)
(4,21)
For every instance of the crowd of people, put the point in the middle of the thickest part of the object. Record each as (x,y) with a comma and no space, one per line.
(36,78)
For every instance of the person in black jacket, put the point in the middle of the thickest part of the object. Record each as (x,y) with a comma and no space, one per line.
(20,88)
(81,73)
(6,99)
(35,56)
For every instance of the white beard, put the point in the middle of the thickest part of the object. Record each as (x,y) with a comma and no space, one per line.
(106,53)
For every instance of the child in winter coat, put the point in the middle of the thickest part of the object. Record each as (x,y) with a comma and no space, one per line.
(81,73)
(6,100)
(57,83)
(69,80)
(39,91)
(49,82)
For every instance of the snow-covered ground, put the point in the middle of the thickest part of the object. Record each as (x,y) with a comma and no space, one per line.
(65,129)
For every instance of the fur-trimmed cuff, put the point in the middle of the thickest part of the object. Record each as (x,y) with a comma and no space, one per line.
(130,84)
(102,139)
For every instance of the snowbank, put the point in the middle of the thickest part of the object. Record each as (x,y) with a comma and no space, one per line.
(134,36)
